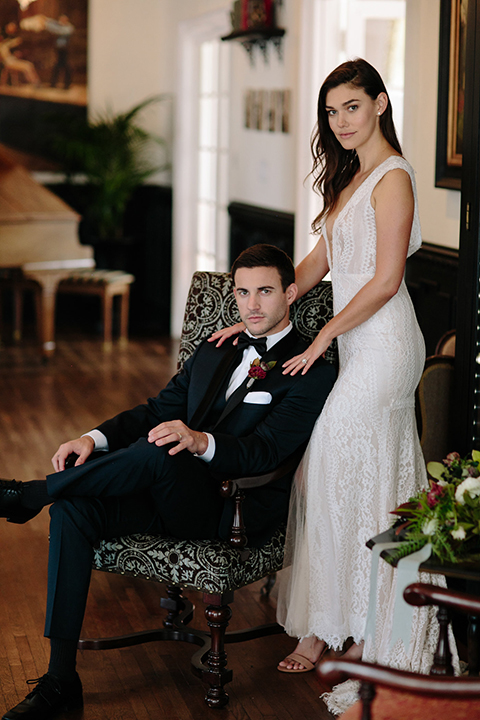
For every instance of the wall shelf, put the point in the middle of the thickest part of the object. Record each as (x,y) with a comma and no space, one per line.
(259,37)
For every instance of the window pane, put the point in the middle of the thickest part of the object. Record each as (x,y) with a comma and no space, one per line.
(208,122)
(207,175)
(209,67)
(206,228)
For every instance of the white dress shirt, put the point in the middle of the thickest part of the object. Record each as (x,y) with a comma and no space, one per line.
(238,376)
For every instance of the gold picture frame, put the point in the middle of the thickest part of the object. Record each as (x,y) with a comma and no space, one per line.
(451,93)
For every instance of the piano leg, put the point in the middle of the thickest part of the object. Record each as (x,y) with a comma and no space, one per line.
(48,281)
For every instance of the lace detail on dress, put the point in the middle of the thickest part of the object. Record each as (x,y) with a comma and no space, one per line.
(364,456)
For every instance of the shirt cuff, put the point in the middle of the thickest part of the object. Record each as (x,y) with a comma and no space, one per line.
(101,442)
(210,451)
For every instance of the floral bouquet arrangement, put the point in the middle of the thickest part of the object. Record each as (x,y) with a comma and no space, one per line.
(447,514)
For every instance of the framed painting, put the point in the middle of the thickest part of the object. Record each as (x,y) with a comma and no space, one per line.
(451,93)
(43,72)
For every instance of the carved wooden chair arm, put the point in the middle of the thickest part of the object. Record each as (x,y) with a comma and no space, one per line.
(236,486)
(423,594)
(336,671)
(230,487)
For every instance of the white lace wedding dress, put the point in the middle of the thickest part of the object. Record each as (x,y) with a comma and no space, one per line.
(363,460)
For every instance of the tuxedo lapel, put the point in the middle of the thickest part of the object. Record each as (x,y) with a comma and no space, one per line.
(279,350)
(225,367)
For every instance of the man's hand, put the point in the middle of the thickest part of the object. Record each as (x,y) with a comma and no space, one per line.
(82,446)
(176,431)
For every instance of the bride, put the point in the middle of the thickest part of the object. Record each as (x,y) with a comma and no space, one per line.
(364,456)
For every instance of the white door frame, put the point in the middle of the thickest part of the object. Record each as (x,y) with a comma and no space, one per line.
(190,36)
(315,62)
(320,44)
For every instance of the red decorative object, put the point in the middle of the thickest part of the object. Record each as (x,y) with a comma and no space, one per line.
(269,12)
(245,14)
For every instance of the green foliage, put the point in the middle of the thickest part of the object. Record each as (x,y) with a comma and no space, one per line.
(447,514)
(394,555)
(112,152)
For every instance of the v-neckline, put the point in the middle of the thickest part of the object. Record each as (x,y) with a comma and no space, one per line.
(353,195)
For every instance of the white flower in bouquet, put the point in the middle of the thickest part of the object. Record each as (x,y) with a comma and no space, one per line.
(471,486)
(459,533)
(430,527)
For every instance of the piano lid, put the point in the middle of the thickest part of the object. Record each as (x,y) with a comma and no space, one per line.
(23,199)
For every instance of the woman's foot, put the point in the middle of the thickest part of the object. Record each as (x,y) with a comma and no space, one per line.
(354,652)
(305,656)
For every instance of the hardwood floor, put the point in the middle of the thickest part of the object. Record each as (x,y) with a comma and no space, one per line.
(40,407)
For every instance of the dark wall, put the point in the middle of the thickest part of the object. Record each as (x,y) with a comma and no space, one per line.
(431,277)
(250,225)
(26,125)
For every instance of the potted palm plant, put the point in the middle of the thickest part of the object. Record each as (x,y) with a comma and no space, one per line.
(112,154)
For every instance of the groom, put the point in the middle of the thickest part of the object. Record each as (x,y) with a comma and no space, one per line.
(158,463)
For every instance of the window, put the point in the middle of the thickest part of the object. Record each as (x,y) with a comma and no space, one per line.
(212,155)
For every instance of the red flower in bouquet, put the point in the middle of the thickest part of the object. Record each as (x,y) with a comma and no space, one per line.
(434,494)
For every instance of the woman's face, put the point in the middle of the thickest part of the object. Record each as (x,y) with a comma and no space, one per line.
(353,116)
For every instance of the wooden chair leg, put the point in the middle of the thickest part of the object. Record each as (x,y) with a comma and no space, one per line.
(367,694)
(218,616)
(268,585)
(107,314)
(1,315)
(37,299)
(174,603)
(442,660)
(124,307)
(17,312)
(473,641)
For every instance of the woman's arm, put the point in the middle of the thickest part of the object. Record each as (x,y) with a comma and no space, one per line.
(393,202)
(312,269)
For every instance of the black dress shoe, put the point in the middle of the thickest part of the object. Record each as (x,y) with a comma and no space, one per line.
(50,697)
(10,502)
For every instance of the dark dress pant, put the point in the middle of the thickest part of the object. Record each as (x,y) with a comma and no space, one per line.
(140,489)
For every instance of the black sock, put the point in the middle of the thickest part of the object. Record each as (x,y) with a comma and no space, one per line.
(63,658)
(35,495)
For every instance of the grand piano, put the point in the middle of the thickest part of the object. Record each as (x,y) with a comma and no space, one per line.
(39,236)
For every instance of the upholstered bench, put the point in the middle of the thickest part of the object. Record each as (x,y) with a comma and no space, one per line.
(107,284)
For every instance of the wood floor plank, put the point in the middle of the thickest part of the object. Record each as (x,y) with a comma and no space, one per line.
(42,406)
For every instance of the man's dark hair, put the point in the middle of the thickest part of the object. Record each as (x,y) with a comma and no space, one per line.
(263,255)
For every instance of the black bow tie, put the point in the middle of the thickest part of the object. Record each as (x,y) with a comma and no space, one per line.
(260,344)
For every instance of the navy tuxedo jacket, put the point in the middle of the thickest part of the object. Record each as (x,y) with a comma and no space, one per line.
(271,422)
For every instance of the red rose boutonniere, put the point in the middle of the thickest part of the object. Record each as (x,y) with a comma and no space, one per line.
(258,370)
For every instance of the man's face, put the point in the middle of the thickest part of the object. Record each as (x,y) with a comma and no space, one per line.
(262,303)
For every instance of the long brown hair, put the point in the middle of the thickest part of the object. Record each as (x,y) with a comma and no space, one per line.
(333,166)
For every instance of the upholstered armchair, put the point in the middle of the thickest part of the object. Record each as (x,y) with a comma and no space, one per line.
(434,406)
(215,568)
(389,694)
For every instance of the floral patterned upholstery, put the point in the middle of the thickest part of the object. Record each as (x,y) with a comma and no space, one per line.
(206,565)
(211,306)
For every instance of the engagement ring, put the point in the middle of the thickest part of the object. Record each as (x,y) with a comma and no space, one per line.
(304,360)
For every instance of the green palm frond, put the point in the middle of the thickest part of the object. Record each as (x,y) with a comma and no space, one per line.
(113,153)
